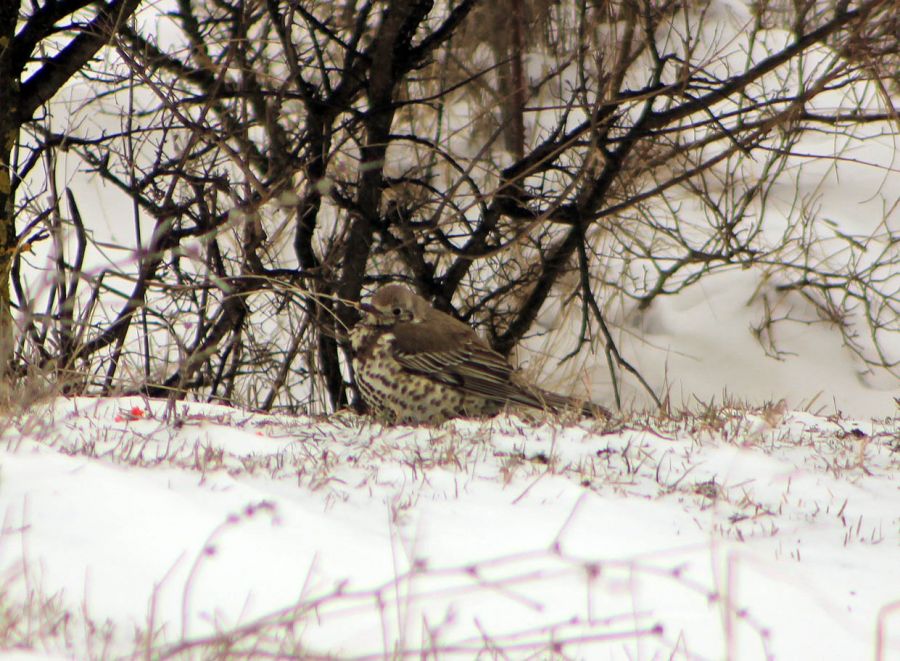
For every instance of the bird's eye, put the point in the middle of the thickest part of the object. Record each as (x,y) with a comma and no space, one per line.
(397,312)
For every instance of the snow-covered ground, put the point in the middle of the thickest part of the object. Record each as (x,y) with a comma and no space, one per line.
(722,534)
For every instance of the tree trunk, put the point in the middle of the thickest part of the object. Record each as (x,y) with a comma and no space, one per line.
(9,128)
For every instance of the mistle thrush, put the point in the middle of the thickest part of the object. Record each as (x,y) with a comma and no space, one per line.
(415,364)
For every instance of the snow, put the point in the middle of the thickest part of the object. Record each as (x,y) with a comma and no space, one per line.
(740,533)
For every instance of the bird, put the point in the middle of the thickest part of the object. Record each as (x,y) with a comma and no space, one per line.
(415,364)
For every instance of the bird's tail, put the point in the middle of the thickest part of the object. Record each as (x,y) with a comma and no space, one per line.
(559,403)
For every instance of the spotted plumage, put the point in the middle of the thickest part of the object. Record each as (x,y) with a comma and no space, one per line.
(415,364)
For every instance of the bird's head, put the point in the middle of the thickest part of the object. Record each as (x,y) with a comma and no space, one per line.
(393,304)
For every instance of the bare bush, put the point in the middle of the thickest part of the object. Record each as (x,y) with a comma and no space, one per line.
(280,158)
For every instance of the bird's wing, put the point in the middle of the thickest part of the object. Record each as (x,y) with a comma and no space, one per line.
(457,356)
(451,354)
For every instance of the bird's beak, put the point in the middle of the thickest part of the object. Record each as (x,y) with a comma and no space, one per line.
(368,309)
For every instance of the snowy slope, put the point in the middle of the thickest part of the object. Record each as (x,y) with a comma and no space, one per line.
(767,534)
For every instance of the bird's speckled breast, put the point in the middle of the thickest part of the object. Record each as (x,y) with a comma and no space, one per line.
(398,394)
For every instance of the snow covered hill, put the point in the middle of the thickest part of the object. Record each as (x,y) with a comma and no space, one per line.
(132,528)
